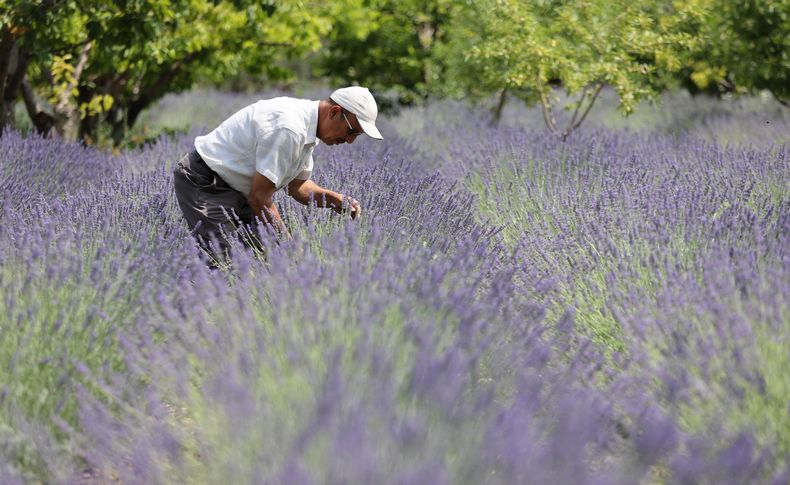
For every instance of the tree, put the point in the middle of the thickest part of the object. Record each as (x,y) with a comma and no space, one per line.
(527,48)
(106,61)
(148,48)
(25,27)
(387,45)
(746,48)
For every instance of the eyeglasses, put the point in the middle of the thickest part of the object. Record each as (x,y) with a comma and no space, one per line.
(351,130)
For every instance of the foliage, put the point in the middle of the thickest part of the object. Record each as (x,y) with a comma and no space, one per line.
(87,69)
(25,28)
(746,48)
(135,51)
(147,49)
(388,45)
(528,47)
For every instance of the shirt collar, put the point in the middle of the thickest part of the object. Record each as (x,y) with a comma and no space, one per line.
(312,124)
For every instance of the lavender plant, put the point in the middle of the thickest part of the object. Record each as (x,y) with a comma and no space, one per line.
(615,233)
(510,309)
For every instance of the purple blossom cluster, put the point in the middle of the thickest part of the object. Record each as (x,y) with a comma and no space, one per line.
(510,309)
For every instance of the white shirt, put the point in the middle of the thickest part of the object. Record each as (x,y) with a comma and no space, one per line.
(274,137)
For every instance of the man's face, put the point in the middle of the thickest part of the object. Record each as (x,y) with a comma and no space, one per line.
(343,127)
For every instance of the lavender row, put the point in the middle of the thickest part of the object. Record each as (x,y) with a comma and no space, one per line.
(674,254)
(443,338)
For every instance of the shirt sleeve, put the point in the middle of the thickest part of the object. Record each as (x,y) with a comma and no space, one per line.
(276,153)
(307,169)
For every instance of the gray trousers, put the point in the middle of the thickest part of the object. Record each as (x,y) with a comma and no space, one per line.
(212,208)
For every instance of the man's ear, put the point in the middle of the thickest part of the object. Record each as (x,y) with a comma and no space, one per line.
(334,111)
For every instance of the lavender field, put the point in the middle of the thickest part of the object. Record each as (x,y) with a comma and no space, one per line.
(613,309)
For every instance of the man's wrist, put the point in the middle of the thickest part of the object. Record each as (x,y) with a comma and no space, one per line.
(341,199)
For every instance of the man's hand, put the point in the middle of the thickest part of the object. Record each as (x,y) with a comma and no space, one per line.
(307,191)
(354,207)
(349,205)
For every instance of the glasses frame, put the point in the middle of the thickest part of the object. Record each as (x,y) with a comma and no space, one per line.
(351,130)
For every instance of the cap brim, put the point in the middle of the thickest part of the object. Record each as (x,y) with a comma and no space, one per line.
(370,129)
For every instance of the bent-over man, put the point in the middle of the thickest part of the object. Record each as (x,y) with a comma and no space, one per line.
(231,176)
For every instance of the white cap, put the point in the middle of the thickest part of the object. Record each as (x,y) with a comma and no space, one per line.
(358,101)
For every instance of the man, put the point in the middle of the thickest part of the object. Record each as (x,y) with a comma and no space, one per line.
(231,176)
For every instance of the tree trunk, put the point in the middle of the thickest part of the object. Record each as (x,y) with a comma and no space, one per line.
(6,116)
(14,59)
(136,107)
(89,125)
(67,114)
(118,120)
(39,114)
(8,46)
(497,114)
(88,129)
(159,87)
(16,76)
(126,110)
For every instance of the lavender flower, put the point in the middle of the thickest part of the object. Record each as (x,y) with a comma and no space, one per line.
(511,309)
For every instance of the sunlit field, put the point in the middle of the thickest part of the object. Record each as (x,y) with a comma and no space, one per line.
(510,308)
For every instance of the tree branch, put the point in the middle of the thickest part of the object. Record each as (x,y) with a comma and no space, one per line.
(274,44)
(7,43)
(547,117)
(159,87)
(39,115)
(592,101)
(497,114)
(17,69)
(569,127)
(83,60)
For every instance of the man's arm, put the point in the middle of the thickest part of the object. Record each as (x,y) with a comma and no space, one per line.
(301,191)
(261,200)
